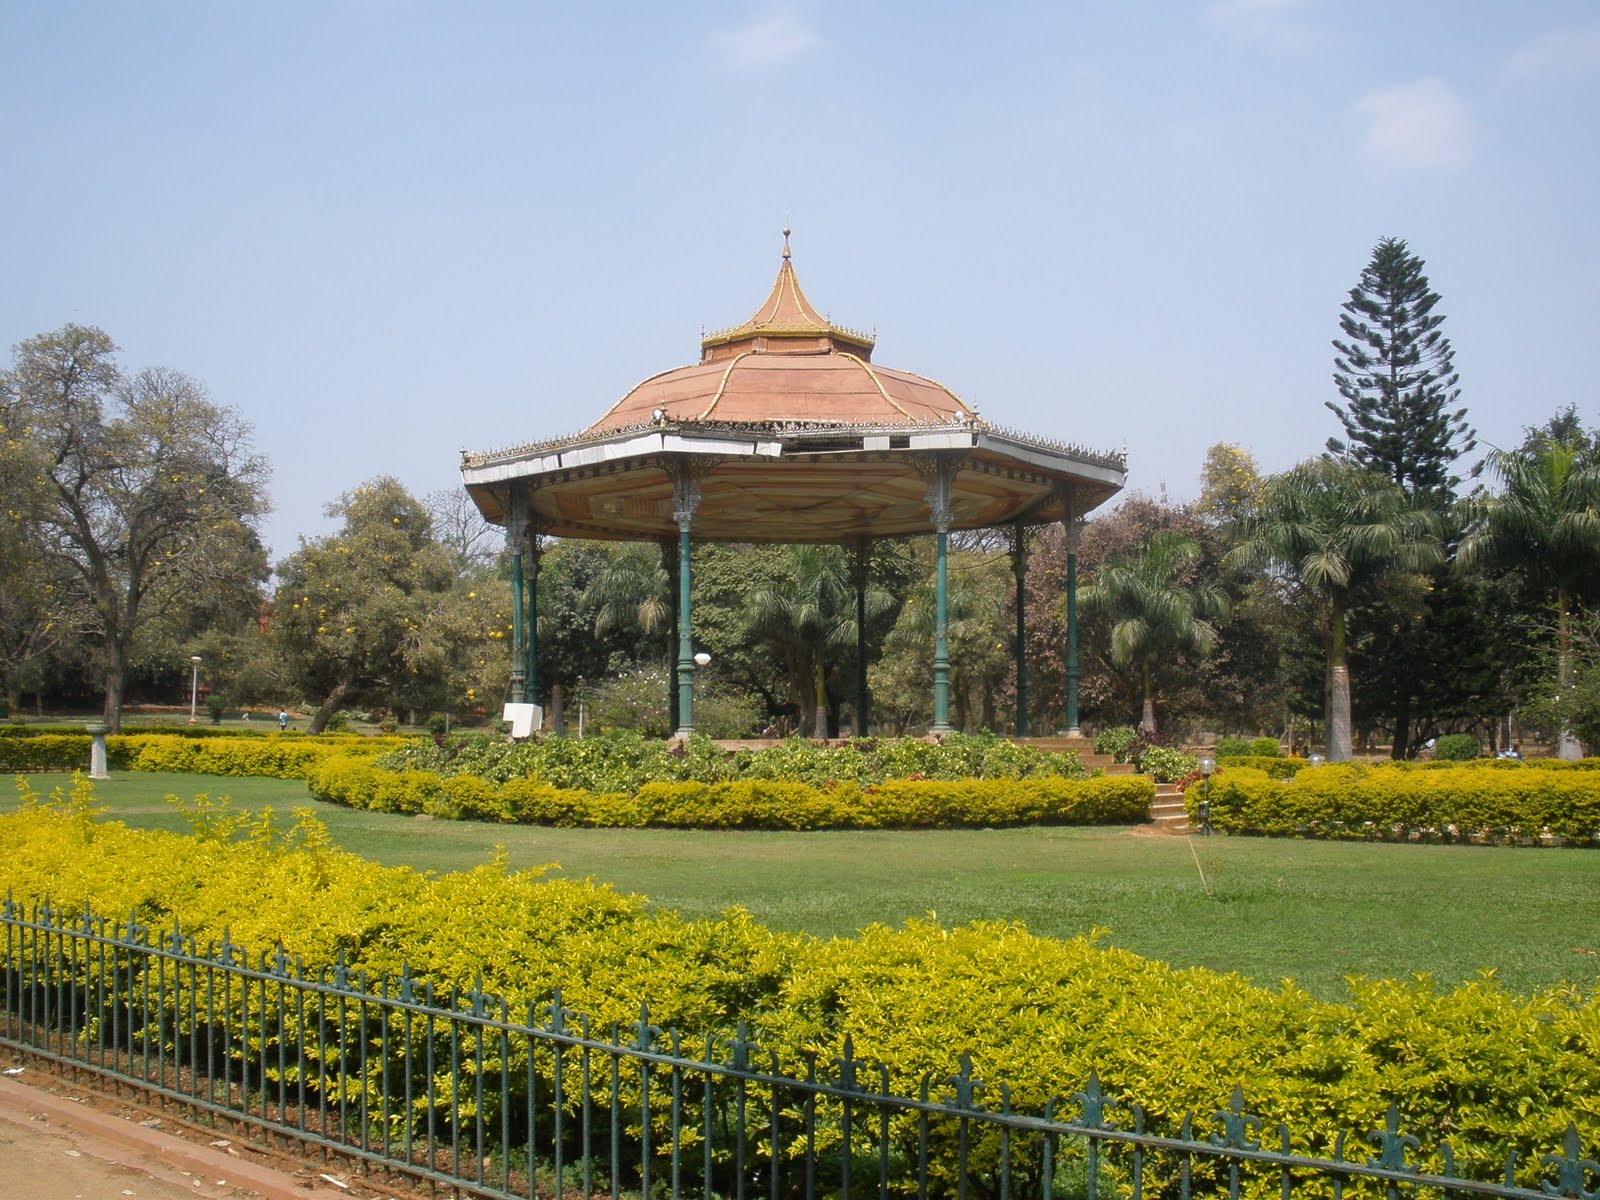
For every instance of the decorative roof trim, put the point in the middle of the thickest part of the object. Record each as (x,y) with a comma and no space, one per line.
(800,431)
(723,386)
(878,383)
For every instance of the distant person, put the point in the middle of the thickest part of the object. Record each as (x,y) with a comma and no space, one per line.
(283,720)
(245,717)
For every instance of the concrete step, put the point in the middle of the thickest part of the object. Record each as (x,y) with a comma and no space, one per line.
(1167,811)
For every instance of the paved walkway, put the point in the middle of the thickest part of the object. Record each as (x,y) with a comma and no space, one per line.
(59,1144)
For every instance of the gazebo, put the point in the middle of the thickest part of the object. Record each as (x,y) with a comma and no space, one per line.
(786,431)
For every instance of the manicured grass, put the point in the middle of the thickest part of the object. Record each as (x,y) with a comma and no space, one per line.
(1312,911)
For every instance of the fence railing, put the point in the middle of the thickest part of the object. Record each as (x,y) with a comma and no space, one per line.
(457,1090)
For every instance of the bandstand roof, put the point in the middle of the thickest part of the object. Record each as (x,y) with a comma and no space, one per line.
(792,434)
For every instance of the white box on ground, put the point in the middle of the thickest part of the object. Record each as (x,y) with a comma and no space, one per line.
(524,718)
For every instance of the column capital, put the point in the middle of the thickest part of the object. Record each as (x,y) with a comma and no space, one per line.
(686,493)
(938,472)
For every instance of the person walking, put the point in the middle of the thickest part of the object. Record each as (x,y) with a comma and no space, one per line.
(283,720)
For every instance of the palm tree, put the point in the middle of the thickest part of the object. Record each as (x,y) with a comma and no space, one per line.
(1334,529)
(1545,524)
(1155,610)
(809,610)
(631,591)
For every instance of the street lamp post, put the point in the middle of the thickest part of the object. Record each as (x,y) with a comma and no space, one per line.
(194,686)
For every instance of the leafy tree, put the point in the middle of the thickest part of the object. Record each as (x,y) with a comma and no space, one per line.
(365,613)
(979,632)
(1334,529)
(1230,484)
(805,615)
(149,489)
(1395,371)
(1157,609)
(1545,526)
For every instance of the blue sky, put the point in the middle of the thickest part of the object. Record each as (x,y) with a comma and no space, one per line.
(388,231)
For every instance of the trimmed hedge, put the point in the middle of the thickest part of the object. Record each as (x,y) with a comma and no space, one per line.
(1492,1071)
(1506,801)
(1276,765)
(740,804)
(627,761)
(276,756)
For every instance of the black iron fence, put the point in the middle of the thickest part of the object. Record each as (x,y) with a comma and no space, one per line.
(457,1090)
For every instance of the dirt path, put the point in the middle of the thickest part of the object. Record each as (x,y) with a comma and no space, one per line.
(60,1143)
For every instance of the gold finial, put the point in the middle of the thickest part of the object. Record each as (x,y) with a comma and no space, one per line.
(785,235)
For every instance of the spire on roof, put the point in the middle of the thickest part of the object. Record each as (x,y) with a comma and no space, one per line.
(786,323)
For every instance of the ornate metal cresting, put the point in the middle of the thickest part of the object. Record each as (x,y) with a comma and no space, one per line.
(685,500)
(455,1090)
(939,473)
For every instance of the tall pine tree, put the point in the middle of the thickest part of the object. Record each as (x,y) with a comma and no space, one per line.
(1396,373)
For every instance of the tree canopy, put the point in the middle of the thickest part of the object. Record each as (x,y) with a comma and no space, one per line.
(1395,371)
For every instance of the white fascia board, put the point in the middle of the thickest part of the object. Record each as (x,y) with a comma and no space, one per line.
(944,439)
(674,443)
(636,446)
(1048,460)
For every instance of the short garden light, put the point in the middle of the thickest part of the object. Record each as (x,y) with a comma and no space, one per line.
(702,659)
(1208,767)
(1316,760)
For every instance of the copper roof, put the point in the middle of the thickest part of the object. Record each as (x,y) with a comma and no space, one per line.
(791,434)
(786,364)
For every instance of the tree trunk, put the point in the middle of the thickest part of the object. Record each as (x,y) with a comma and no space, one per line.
(324,713)
(819,717)
(1338,690)
(116,681)
(1147,716)
(1402,729)
(1567,748)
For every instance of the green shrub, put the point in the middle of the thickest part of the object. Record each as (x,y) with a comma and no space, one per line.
(626,761)
(1507,802)
(1231,747)
(279,756)
(1497,1074)
(1117,741)
(749,803)
(1166,764)
(1455,747)
(1265,747)
(1277,766)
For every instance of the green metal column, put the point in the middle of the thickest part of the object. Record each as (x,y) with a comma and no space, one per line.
(686,498)
(940,474)
(1019,564)
(685,640)
(533,619)
(669,563)
(941,637)
(519,657)
(1074,532)
(516,510)
(859,570)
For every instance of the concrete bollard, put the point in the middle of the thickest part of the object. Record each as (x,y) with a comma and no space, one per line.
(97,752)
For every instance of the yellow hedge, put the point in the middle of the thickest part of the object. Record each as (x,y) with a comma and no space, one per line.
(741,804)
(278,756)
(1492,1071)
(1510,801)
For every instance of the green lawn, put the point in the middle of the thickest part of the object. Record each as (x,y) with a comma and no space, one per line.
(1311,911)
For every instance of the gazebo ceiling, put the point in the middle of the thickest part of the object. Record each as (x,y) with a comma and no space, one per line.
(791,434)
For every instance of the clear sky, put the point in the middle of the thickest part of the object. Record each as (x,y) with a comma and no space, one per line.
(389,231)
